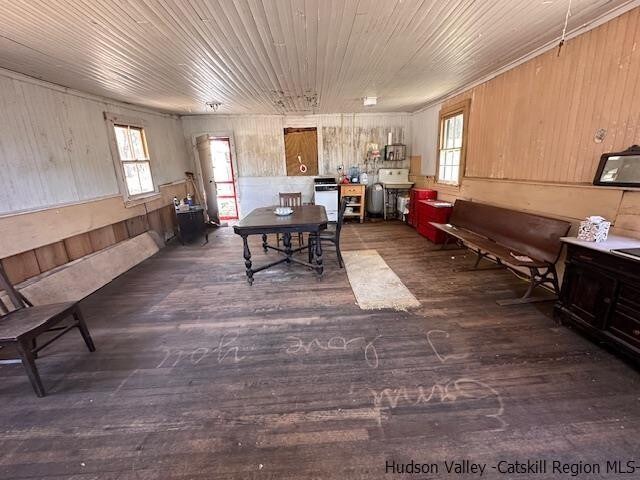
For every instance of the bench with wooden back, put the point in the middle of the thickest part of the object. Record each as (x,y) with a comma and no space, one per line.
(511,237)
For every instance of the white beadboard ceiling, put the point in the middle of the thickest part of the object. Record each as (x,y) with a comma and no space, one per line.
(278,56)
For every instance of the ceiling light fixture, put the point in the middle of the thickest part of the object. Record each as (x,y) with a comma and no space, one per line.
(214,106)
(369,101)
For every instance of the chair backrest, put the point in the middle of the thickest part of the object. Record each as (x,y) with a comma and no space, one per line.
(17,299)
(291,199)
(343,208)
(533,235)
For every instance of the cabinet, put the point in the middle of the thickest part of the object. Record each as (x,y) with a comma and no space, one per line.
(415,195)
(601,296)
(432,211)
(356,206)
(191,224)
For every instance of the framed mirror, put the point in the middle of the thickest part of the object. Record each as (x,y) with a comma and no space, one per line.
(619,169)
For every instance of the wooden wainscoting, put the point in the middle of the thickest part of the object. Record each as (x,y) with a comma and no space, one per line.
(31,263)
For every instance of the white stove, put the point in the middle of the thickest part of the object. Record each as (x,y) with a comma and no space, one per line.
(393,180)
(325,193)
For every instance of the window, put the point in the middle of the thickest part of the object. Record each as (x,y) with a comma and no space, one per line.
(134,157)
(451,150)
(131,158)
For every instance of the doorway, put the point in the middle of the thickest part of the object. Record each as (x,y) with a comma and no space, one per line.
(218,176)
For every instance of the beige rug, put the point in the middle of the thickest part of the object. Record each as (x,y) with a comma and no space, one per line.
(374,284)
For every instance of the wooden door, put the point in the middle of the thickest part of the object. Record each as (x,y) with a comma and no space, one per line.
(301,150)
(203,144)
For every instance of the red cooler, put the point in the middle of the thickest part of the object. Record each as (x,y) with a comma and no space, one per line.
(415,195)
(433,211)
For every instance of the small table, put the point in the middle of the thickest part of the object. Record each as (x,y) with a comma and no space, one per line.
(191,224)
(263,221)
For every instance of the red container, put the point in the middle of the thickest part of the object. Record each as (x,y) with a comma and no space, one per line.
(415,195)
(433,211)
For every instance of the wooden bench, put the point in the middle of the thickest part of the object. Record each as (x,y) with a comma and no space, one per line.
(510,238)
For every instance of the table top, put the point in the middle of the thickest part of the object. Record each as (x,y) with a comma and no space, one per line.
(192,209)
(304,218)
(613,242)
(437,203)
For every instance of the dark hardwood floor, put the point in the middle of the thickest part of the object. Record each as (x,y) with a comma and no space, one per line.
(199,376)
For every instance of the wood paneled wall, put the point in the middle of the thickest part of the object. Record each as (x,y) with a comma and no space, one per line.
(531,129)
(259,139)
(59,198)
(55,149)
(30,263)
(538,121)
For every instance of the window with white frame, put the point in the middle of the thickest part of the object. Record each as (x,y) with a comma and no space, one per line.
(451,145)
(134,159)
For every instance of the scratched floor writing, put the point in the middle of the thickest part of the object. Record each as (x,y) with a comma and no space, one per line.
(225,348)
(337,343)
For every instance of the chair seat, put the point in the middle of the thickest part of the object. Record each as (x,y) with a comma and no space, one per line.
(19,322)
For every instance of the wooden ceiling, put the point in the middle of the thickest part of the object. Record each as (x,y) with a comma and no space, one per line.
(278,56)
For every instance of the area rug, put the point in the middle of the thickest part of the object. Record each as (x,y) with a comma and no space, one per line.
(374,284)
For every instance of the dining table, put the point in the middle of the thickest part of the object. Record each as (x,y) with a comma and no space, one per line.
(311,219)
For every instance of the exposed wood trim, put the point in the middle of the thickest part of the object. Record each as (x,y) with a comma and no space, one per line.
(463,107)
(56,206)
(27,231)
(111,120)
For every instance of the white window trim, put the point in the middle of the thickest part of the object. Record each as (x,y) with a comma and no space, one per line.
(112,120)
(446,113)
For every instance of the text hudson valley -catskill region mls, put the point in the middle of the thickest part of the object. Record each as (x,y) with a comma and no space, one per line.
(533,468)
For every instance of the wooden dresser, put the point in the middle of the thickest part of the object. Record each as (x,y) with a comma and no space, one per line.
(357,192)
(601,293)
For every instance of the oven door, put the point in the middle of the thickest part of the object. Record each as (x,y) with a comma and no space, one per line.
(329,200)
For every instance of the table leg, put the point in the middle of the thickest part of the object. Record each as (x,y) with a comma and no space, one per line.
(247,259)
(264,243)
(286,240)
(318,255)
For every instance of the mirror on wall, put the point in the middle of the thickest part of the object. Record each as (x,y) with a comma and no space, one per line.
(619,169)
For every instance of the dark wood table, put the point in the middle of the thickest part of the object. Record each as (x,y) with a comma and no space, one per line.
(264,221)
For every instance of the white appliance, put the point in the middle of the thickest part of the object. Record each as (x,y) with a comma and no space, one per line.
(325,193)
(402,204)
(393,181)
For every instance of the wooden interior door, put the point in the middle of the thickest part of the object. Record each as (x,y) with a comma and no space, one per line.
(301,150)
(203,144)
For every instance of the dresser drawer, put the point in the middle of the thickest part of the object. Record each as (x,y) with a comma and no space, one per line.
(347,190)
(607,261)
(629,296)
(625,324)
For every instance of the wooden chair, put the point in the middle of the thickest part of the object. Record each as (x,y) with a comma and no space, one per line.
(21,327)
(331,236)
(291,200)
